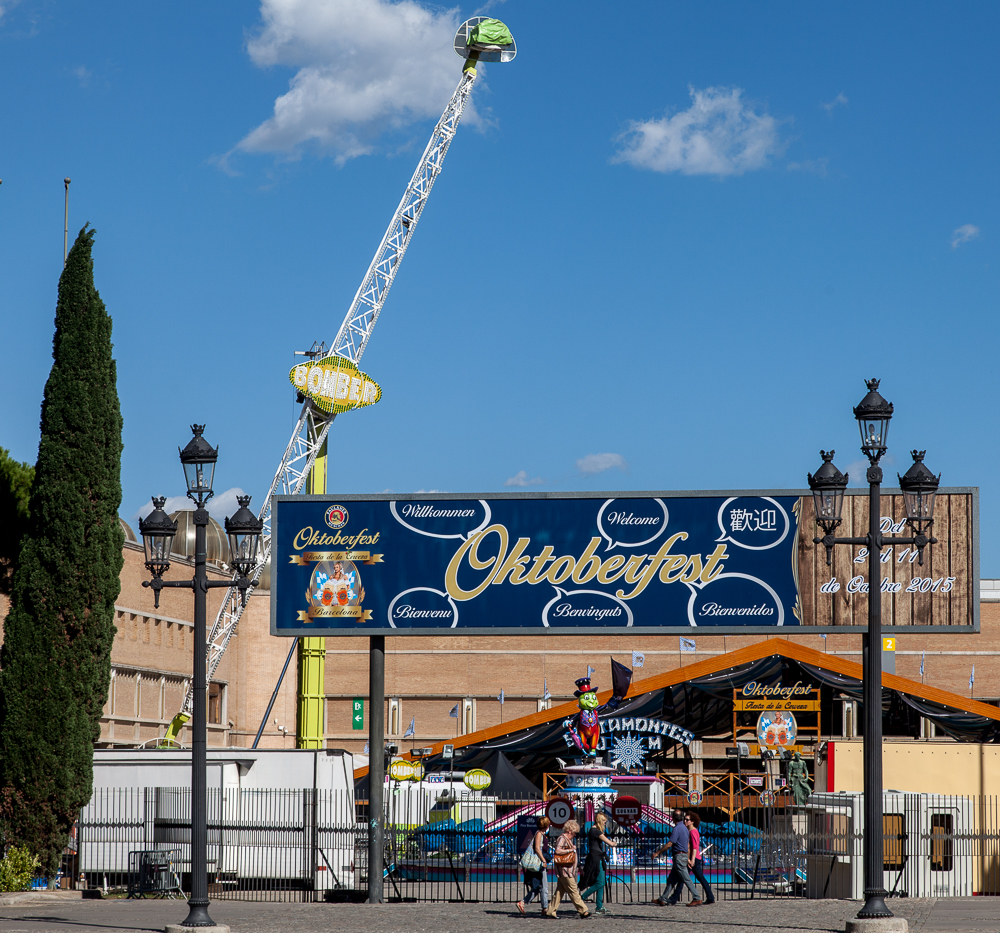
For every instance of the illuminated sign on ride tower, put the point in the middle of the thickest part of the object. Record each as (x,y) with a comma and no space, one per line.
(580,563)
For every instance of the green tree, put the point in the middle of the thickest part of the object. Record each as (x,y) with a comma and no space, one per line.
(15,490)
(56,656)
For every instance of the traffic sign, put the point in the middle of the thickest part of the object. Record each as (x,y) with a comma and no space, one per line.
(627,811)
(559,810)
(358,714)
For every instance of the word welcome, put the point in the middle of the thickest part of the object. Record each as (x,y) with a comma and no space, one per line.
(637,570)
(620,518)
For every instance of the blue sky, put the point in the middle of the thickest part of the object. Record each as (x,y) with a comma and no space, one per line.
(667,247)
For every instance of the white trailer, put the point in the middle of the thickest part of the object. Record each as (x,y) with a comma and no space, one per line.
(273,815)
(928,849)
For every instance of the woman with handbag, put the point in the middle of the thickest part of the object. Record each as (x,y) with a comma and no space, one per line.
(593,878)
(534,862)
(566,865)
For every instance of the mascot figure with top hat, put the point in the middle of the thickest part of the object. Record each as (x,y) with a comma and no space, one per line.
(585,726)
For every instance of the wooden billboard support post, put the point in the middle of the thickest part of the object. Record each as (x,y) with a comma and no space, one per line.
(376,766)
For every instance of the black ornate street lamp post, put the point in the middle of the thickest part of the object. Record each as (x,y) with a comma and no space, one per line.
(919,487)
(244,532)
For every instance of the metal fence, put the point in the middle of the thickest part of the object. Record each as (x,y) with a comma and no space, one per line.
(277,844)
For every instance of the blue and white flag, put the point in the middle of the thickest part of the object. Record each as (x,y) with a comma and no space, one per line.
(590,670)
(500,696)
(411,729)
(822,635)
(972,677)
(687,644)
(922,654)
(545,689)
(638,659)
(454,711)
(366,749)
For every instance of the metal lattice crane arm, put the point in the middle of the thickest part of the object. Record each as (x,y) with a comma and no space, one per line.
(313,425)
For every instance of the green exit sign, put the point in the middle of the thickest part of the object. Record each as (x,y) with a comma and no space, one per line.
(358,714)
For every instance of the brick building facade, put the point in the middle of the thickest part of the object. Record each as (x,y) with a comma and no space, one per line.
(428,677)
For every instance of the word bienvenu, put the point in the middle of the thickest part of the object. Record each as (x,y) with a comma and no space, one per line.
(636,570)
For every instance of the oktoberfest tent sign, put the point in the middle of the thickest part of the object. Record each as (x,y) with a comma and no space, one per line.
(565,564)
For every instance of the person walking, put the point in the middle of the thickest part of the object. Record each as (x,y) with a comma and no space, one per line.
(536,883)
(565,860)
(696,861)
(593,877)
(679,845)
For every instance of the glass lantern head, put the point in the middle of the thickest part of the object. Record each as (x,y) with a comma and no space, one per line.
(198,460)
(244,530)
(873,414)
(828,485)
(919,487)
(157,530)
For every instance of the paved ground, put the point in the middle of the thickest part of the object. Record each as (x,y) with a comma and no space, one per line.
(953,915)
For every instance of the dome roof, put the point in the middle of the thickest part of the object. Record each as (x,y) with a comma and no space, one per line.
(127,528)
(264,583)
(218,546)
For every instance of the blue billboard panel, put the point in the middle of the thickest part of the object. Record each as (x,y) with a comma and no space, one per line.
(533,564)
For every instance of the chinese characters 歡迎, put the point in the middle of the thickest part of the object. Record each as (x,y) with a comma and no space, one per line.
(753,520)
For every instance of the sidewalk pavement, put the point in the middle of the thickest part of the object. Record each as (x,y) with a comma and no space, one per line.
(792,915)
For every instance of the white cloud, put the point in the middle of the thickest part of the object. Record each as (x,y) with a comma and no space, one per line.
(963,234)
(718,134)
(83,75)
(520,478)
(419,491)
(598,463)
(6,6)
(839,101)
(812,166)
(220,506)
(364,67)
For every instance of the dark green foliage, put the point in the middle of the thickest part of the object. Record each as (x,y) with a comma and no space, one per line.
(56,657)
(15,489)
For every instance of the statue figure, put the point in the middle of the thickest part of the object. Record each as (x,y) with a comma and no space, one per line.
(585,726)
(798,780)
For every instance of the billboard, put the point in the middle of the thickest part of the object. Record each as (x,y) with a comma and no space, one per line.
(644,563)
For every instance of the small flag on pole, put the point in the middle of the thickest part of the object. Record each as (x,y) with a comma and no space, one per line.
(500,696)
(687,644)
(922,655)
(454,712)
(822,635)
(411,729)
(590,670)
(545,689)
(972,677)
(638,659)
(366,749)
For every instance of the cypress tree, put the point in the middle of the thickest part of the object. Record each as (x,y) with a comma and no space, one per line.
(56,656)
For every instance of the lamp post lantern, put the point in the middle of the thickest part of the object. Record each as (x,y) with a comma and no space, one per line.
(244,530)
(919,487)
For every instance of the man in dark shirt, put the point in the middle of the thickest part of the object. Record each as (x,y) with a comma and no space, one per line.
(680,840)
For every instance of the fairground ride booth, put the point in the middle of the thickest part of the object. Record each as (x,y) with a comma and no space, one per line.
(721,736)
